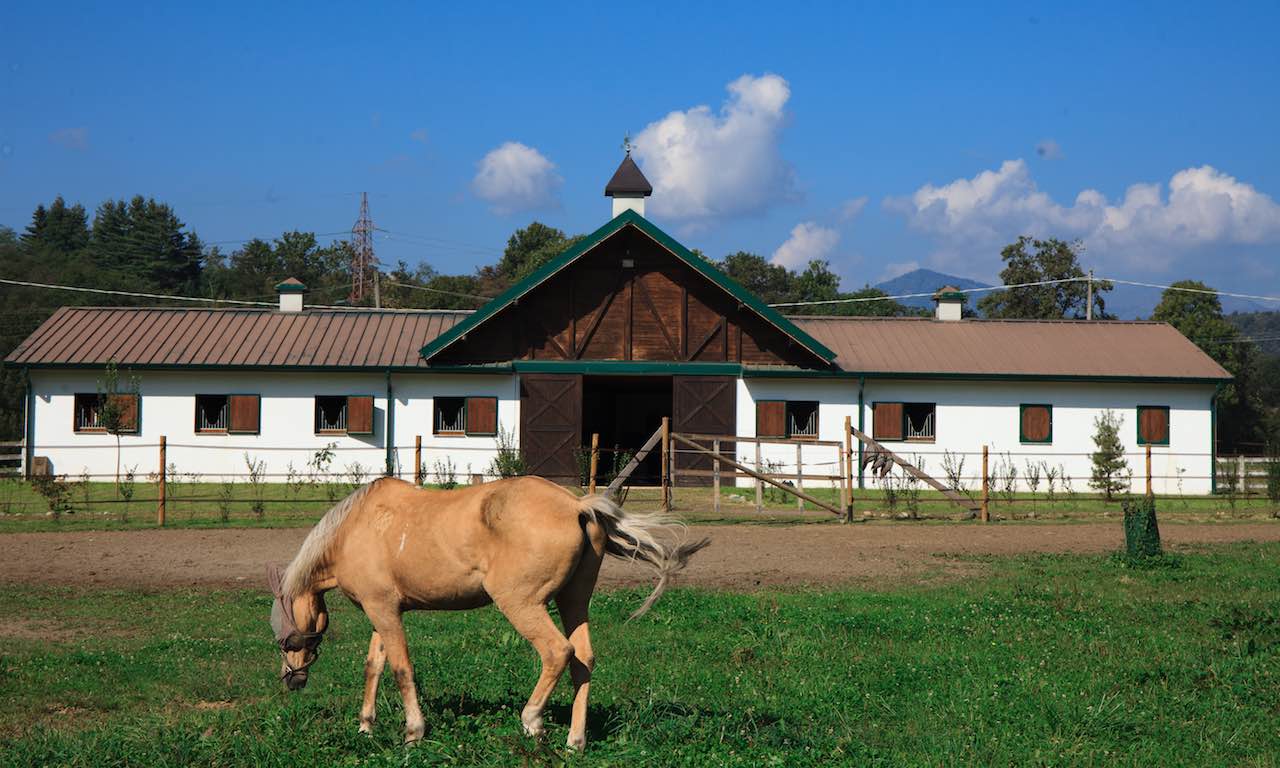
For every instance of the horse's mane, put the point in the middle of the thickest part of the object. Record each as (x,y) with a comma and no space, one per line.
(315,548)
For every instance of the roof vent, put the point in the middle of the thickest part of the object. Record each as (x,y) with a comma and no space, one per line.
(628,187)
(950,303)
(290,292)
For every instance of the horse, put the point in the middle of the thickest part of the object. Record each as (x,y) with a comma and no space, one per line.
(392,546)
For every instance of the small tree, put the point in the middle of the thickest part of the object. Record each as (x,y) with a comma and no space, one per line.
(1109,464)
(127,487)
(116,406)
(509,461)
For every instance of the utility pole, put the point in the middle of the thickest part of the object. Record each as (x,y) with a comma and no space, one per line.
(362,259)
(1088,307)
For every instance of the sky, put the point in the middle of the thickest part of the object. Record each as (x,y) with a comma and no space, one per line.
(880,137)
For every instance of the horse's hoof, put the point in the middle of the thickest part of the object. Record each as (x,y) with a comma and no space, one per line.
(577,744)
(366,726)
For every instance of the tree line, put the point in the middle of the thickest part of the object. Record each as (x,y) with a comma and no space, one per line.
(141,245)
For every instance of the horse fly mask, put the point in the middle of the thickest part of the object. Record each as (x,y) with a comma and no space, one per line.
(288,636)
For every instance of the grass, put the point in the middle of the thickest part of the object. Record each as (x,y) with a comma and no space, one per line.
(1046,660)
(95,506)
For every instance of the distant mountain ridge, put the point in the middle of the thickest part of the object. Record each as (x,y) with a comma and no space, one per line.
(926,281)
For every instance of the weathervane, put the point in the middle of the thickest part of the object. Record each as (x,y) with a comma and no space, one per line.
(626,142)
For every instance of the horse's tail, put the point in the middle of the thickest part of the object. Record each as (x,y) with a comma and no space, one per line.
(630,536)
(315,548)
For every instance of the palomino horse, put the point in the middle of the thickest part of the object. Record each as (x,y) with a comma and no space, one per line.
(391,547)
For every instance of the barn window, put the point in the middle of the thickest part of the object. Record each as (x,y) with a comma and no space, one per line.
(1036,423)
(903,421)
(227,414)
(477,416)
(344,414)
(88,412)
(802,418)
(1153,425)
(213,413)
(787,418)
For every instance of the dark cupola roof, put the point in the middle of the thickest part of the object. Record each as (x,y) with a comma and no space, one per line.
(628,180)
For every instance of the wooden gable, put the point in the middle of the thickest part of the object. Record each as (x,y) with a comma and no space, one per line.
(628,298)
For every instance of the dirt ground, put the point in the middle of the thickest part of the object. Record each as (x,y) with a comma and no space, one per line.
(741,557)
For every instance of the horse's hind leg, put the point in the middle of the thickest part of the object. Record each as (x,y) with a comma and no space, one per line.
(573,602)
(532,620)
(372,672)
(389,626)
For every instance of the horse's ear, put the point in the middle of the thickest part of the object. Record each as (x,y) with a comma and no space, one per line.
(275,578)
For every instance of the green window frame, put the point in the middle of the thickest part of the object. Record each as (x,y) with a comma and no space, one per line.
(1022,435)
(1168,427)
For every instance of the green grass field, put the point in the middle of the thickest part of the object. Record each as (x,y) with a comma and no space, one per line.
(1047,660)
(96,506)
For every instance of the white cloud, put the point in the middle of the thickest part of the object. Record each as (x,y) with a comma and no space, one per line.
(71,138)
(1204,206)
(515,177)
(807,242)
(705,165)
(1049,149)
(851,208)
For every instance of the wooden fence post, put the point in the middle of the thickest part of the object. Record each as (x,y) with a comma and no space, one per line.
(595,461)
(799,477)
(715,477)
(848,467)
(1242,469)
(1149,469)
(666,464)
(986,488)
(759,485)
(164,475)
(417,460)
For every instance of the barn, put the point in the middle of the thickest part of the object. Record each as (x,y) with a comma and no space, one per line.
(625,328)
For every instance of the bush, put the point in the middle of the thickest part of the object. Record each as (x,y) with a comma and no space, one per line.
(1141,532)
(508,462)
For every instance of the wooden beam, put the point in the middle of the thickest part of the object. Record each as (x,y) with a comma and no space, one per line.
(641,455)
(915,472)
(679,438)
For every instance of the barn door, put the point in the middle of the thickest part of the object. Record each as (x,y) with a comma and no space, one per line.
(706,405)
(551,424)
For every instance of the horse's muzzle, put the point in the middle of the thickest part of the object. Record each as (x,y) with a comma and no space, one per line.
(296,681)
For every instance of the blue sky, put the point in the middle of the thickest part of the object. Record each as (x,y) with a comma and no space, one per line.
(877,137)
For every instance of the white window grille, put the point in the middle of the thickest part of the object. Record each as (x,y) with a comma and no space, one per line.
(331,414)
(212,413)
(451,415)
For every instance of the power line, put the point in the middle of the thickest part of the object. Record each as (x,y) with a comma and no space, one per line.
(930,294)
(1196,290)
(438,290)
(268,240)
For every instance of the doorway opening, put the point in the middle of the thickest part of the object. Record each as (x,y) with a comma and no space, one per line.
(625,411)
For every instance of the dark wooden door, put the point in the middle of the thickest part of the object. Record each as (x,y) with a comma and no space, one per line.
(551,424)
(705,405)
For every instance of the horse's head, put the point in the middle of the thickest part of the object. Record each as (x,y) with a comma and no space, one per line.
(299,623)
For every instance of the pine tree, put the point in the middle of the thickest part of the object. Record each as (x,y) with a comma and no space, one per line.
(1109,465)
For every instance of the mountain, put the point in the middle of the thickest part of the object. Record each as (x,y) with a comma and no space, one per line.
(926,281)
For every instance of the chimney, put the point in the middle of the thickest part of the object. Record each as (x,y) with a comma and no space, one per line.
(290,292)
(628,187)
(950,303)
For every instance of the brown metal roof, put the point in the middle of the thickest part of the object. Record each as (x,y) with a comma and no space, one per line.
(1011,347)
(253,338)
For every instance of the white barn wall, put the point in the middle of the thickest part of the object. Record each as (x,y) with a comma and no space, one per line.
(972,413)
(286,430)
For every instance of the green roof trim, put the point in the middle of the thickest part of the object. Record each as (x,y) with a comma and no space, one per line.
(628,367)
(291,286)
(950,296)
(624,219)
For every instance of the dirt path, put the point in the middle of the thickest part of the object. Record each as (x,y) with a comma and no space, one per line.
(740,557)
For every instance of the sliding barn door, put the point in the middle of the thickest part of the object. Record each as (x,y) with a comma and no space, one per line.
(551,424)
(705,405)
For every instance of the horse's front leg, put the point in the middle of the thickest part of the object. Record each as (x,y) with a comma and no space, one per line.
(387,622)
(372,672)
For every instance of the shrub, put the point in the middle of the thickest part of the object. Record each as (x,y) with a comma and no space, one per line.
(257,475)
(1141,532)
(56,493)
(1272,469)
(508,462)
(127,489)
(446,475)
(1109,464)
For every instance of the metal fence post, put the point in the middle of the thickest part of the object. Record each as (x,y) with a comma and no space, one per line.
(799,477)
(759,484)
(164,474)
(1149,469)
(848,467)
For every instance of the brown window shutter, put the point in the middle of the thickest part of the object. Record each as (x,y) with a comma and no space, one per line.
(1153,425)
(128,412)
(482,415)
(771,418)
(1035,423)
(886,421)
(360,415)
(244,414)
